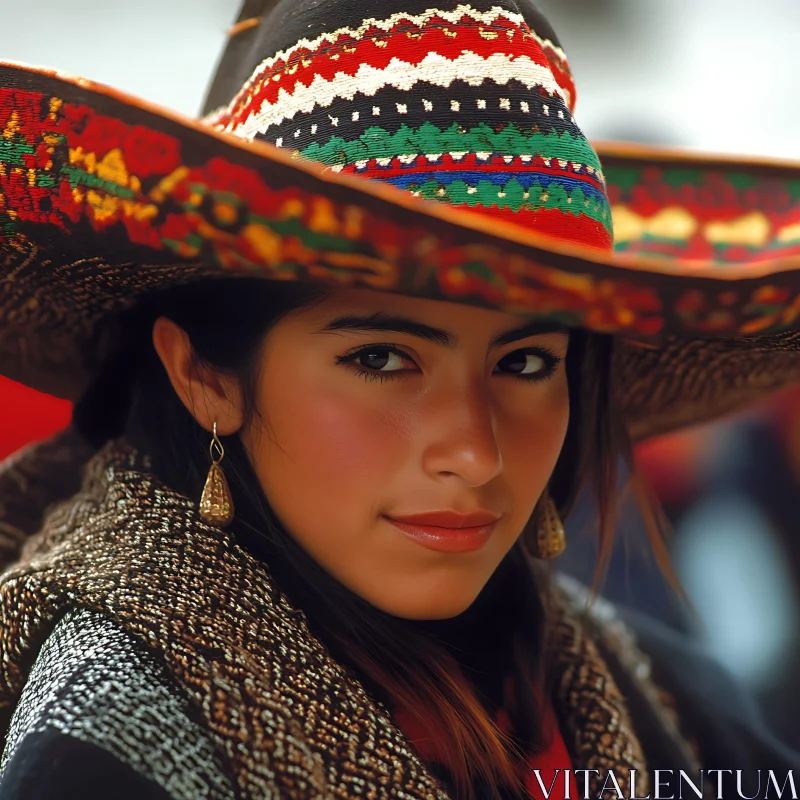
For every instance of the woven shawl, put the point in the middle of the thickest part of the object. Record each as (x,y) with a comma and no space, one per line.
(289,720)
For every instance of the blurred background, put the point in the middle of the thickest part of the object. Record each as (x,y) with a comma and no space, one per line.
(718,75)
(715,75)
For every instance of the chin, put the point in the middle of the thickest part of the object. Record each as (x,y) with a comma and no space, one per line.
(437,605)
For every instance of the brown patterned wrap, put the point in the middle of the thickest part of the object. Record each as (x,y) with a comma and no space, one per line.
(287,718)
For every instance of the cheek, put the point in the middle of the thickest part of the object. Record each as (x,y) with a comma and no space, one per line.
(322,442)
(533,434)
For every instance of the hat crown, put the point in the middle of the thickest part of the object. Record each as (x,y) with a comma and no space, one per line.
(467,103)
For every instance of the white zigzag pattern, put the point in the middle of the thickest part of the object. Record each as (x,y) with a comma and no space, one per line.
(484,17)
(434,68)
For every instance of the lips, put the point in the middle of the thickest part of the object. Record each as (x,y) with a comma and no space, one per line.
(448,539)
(449,519)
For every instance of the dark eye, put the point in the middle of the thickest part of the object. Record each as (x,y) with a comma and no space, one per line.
(379,358)
(370,362)
(523,363)
(530,365)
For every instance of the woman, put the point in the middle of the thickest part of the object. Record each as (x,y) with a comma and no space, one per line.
(294,544)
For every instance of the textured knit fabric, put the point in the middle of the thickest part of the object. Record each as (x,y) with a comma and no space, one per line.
(53,759)
(97,695)
(94,682)
(470,104)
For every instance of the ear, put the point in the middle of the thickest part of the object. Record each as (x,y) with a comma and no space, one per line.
(209,396)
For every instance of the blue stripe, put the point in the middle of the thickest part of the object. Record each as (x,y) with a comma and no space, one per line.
(526,180)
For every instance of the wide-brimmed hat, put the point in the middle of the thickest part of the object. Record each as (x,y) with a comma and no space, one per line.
(426,150)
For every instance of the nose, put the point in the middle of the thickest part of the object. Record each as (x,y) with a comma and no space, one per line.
(461,436)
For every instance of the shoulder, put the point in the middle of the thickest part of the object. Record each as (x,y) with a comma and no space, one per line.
(725,717)
(686,706)
(99,712)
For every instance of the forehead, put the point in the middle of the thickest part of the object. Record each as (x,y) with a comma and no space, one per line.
(444,322)
(371,300)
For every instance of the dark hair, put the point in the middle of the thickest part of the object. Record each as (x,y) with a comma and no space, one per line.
(226,323)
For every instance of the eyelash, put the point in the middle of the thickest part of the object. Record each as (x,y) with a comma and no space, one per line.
(551,361)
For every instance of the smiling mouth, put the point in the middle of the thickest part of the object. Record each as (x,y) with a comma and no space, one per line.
(446,539)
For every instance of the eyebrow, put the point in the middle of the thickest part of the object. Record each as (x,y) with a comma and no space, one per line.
(383,321)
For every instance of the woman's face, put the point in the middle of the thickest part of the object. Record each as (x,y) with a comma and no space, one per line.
(365,416)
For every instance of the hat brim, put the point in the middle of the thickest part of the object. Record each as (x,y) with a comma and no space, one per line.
(105,198)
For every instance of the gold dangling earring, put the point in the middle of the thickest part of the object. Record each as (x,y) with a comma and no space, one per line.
(216,503)
(551,541)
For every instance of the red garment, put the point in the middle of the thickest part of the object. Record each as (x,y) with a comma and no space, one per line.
(554,764)
(28,416)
